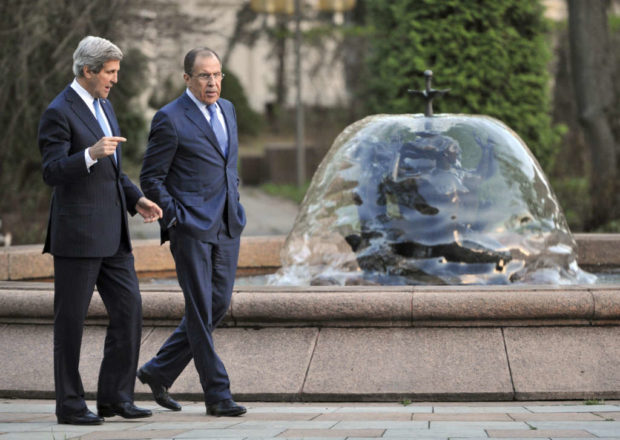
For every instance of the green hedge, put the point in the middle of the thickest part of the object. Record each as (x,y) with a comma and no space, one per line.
(249,122)
(493,55)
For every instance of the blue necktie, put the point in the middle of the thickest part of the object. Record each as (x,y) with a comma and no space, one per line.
(220,133)
(101,120)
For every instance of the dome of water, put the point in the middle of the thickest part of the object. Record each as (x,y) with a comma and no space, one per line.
(445,199)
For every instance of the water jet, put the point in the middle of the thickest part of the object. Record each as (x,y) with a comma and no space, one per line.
(429,199)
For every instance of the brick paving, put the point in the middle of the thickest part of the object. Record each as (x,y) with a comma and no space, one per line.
(35,420)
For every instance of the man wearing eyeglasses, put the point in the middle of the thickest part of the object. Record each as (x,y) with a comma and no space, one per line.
(190,170)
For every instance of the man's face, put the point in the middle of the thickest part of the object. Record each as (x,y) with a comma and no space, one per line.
(99,84)
(207,90)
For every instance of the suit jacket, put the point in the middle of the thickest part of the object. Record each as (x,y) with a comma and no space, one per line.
(88,214)
(187,175)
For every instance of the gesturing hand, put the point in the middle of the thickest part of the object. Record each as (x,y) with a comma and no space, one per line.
(149,210)
(105,146)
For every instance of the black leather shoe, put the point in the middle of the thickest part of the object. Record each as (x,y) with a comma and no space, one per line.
(160,392)
(225,408)
(126,410)
(85,417)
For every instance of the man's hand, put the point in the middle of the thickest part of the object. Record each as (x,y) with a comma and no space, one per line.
(105,146)
(149,210)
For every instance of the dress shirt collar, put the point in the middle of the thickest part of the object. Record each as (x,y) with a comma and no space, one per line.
(203,107)
(86,97)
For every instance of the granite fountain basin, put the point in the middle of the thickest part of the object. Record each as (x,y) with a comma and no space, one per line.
(347,343)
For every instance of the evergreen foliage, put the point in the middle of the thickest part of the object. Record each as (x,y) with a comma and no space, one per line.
(492,55)
(131,118)
(249,122)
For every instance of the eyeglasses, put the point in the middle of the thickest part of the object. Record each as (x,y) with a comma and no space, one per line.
(218,76)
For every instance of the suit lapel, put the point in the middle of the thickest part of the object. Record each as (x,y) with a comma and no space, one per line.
(82,111)
(196,116)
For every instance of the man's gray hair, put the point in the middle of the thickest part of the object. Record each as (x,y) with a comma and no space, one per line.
(94,52)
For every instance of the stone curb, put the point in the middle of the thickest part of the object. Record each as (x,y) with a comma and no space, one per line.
(354,306)
(598,249)
(258,254)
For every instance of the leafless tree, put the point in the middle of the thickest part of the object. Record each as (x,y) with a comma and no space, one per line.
(38,39)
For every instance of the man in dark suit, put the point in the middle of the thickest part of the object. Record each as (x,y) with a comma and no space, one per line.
(190,170)
(87,234)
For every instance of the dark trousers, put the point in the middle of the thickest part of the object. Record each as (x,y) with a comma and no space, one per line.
(206,273)
(117,283)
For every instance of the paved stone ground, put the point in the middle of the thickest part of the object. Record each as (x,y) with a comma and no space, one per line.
(267,215)
(35,420)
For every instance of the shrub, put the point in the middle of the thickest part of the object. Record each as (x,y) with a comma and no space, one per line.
(129,113)
(249,122)
(493,56)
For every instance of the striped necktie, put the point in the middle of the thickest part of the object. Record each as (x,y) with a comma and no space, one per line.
(220,133)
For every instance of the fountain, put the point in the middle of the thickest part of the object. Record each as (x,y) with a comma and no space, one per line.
(514,341)
(429,199)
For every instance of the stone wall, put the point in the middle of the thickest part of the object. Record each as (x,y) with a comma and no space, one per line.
(257,255)
(370,343)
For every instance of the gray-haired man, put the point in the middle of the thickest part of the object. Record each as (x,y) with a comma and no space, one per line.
(79,140)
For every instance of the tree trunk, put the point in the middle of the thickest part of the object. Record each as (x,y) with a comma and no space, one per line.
(594,95)
(245,17)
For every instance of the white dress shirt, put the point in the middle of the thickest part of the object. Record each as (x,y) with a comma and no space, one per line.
(88,100)
(205,112)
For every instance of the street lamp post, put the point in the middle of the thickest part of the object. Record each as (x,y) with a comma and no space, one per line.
(299,132)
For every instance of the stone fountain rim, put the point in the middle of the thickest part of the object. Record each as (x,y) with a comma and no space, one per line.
(25,300)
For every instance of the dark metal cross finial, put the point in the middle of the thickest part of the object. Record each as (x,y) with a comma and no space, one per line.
(429,94)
